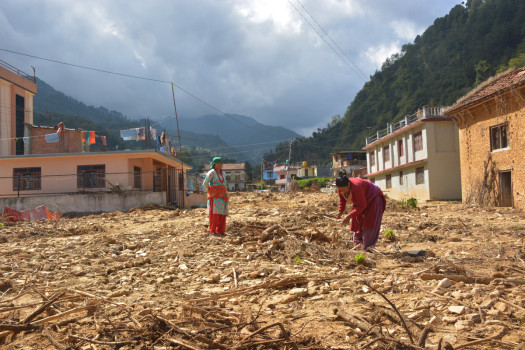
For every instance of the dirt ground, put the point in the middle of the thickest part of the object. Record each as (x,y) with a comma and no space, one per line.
(284,277)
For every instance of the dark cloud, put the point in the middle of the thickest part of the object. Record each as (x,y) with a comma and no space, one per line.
(257,58)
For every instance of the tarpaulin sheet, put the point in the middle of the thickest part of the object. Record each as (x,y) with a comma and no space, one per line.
(35,214)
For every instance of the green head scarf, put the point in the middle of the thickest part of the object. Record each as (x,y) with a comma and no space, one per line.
(215,161)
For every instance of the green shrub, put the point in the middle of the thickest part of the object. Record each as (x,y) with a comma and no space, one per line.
(408,203)
(321,181)
(359,258)
(390,235)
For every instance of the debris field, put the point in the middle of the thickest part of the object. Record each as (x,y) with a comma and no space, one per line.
(448,276)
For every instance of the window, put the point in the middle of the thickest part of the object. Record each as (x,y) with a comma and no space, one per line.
(400,148)
(420,176)
(499,137)
(305,172)
(386,153)
(372,158)
(25,179)
(389,181)
(137,177)
(418,141)
(281,176)
(400,177)
(91,176)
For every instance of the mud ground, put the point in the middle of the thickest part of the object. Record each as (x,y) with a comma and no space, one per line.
(284,277)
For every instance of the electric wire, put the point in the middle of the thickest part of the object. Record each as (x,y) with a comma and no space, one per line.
(327,43)
(363,75)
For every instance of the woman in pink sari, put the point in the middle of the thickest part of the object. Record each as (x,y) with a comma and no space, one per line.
(368,205)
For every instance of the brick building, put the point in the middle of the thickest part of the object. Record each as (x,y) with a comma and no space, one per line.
(70,141)
(491,121)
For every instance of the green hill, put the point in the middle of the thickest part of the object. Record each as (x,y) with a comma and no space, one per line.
(457,52)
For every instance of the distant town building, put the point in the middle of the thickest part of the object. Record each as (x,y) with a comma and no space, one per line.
(350,162)
(285,174)
(417,157)
(491,121)
(235,175)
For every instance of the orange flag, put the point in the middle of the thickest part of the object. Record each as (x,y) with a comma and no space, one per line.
(83,136)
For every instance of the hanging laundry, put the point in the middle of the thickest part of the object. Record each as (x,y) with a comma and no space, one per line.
(92,138)
(129,134)
(83,136)
(141,132)
(159,144)
(52,138)
(153,133)
(61,128)
(26,139)
(103,138)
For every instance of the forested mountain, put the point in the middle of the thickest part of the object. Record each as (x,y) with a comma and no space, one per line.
(460,50)
(201,137)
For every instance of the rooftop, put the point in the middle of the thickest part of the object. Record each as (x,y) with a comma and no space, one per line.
(426,113)
(489,88)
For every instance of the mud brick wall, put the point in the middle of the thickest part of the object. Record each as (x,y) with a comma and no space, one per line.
(475,152)
(70,142)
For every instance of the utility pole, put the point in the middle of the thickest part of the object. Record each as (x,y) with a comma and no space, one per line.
(288,165)
(262,167)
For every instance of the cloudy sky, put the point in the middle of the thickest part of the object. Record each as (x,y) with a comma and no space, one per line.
(260,58)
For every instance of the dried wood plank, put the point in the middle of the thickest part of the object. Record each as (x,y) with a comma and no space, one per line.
(466,279)
(475,342)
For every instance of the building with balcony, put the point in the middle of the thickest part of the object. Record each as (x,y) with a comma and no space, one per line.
(491,120)
(352,162)
(417,157)
(16,108)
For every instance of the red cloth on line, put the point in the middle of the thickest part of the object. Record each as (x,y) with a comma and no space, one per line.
(103,140)
(92,138)
(61,128)
(83,136)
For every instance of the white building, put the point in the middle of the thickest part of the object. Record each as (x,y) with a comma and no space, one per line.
(417,157)
(285,174)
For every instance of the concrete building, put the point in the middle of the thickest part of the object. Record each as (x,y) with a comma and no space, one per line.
(235,176)
(16,108)
(349,161)
(285,174)
(417,157)
(51,175)
(491,121)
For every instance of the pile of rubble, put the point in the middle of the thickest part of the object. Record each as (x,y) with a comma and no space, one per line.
(285,276)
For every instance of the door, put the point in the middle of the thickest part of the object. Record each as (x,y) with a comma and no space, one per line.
(19,125)
(505,189)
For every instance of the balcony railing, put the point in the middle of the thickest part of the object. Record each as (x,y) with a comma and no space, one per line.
(17,71)
(425,113)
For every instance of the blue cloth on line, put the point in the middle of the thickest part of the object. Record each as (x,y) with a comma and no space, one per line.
(52,138)
(129,134)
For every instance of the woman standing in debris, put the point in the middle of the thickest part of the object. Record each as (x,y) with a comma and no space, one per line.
(215,184)
(367,211)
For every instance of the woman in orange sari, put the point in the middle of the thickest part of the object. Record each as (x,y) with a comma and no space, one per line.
(215,184)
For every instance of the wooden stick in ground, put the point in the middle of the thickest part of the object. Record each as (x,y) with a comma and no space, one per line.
(355,322)
(235,278)
(112,343)
(183,344)
(424,335)
(53,341)
(260,330)
(395,309)
(43,307)
(475,342)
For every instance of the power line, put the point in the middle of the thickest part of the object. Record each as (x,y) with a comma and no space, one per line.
(142,78)
(363,75)
(327,43)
